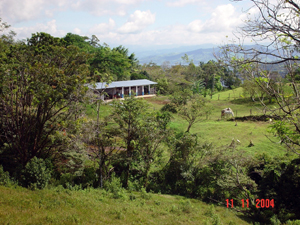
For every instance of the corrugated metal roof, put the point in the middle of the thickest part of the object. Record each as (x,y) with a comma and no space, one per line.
(127,83)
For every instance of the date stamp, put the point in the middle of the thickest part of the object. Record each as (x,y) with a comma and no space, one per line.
(260,203)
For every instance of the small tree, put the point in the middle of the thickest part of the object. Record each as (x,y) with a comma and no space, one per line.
(194,110)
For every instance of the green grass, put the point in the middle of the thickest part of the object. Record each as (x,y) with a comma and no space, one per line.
(92,206)
(221,132)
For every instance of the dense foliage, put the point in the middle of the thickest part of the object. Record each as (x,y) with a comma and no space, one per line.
(46,138)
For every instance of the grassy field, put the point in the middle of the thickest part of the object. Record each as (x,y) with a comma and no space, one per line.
(92,206)
(221,132)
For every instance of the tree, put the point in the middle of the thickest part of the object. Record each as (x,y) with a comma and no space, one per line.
(191,107)
(153,131)
(195,108)
(128,117)
(40,82)
(140,133)
(276,34)
(111,62)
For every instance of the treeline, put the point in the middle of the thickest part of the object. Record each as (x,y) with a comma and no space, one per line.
(205,78)
(46,139)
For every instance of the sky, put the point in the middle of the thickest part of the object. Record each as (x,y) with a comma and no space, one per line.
(144,24)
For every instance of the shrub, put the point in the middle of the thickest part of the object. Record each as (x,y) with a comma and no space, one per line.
(115,187)
(185,206)
(293,222)
(144,194)
(36,175)
(4,177)
(211,211)
(216,220)
(169,108)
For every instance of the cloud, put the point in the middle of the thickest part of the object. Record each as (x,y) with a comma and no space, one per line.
(77,31)
(50,27)
(181,3)
(15,11)
(103,27)
(137,22)
(223,18)
(128,2)
(104,7)
(170,35)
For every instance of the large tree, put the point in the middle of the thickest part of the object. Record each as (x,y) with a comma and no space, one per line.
(40,81)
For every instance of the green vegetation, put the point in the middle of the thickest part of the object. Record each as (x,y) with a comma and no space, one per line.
(67,157)
(92,206)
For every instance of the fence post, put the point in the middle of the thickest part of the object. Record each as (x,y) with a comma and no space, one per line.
(236,113)
(250,112)
(229,97)
(218,96)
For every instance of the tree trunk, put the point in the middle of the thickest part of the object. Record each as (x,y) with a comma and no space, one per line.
(189,127)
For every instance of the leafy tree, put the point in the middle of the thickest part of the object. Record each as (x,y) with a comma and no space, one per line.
(191,107)
(141,132)
(6,37)
(81,42)
(194,110)
(40,82)
(128,117)
(153,131)
(111,62)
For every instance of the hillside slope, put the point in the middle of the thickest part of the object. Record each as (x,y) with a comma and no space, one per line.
(91,206)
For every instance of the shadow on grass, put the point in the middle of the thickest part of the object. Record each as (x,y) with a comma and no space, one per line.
(249,101)
(241,101)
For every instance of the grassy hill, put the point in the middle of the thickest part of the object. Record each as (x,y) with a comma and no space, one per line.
(92,206)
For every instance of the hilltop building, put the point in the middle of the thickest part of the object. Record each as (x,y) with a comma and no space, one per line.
(120,89)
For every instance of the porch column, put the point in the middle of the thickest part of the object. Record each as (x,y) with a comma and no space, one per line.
(129,91)
(143,90)
(136,90)
(122,95)
(149,89)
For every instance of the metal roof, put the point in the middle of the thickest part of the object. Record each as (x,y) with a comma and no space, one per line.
(127,83)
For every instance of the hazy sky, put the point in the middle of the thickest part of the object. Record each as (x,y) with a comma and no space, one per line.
(128,22)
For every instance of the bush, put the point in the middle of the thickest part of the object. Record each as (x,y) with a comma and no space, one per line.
(185,206)
(36,175)
(210,211)
(293,222)
(169,108)
(4,177)
(144,194)
(115,187)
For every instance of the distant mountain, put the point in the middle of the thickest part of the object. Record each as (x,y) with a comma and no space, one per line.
(196,53)
(159,54)
(174,55)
